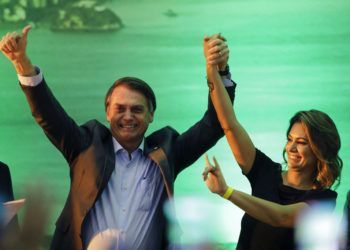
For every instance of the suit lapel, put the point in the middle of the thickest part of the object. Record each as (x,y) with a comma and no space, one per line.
(159,157)
(108,164)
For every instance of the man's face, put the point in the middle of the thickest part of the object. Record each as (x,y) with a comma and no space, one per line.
(129,116)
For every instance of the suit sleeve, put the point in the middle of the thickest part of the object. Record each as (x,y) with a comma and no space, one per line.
(200,137)
(6,192)
(61,130)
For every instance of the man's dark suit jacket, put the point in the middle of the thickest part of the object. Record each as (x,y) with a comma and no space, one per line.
(6,194)
(89,151)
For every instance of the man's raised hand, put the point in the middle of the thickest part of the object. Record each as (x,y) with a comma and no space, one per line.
(13,45)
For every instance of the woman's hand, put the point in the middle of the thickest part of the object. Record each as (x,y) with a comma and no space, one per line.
(213,177)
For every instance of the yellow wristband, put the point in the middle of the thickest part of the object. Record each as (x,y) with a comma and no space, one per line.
(228,193)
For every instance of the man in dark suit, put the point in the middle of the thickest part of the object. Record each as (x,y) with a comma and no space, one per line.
(6,194)
(119,179)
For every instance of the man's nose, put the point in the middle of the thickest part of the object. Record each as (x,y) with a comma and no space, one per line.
(128,114)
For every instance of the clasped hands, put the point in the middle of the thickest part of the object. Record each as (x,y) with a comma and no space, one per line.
(216,51)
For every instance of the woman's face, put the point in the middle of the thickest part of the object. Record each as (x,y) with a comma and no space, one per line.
(298,149)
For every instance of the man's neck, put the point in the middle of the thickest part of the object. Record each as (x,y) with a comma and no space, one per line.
(130,147)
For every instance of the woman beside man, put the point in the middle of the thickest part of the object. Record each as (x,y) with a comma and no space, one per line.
(278,195)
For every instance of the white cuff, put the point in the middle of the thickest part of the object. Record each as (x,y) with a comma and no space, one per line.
(226,80)
(31,81)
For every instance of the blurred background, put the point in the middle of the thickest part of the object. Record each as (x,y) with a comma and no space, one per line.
(285,56)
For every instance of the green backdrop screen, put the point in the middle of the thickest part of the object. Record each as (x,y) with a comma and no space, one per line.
(285,56)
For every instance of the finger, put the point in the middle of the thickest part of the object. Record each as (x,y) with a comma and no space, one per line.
(206,159)
(219,36)
(214,36)
(206,38)
(206,172)
(212,63)
(216,163)
(214,49)
(2,45)
(217,48)
(5,50)
(223,55)
(2,41)
(224,46)
(6,46)
(225,51)
(222,38)
(215,42)
(6,41)
(213,57)
(12,42)
(216,59)
(208,166)
(205,175)
(26,30)
(208,176)
(9,47)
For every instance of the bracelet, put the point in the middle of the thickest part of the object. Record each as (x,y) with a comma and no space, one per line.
(228,193)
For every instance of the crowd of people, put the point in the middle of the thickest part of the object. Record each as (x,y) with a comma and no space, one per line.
(121,179)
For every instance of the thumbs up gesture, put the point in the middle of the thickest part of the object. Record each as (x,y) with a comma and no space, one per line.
(13,45)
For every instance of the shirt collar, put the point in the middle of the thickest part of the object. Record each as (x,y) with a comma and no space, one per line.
(118,147)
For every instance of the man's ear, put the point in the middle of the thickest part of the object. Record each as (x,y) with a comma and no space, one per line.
(107,114)
(151,114)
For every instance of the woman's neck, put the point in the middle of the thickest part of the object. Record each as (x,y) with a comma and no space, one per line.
(297,180)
